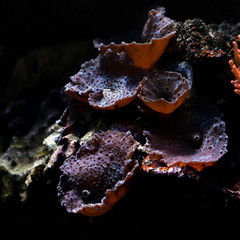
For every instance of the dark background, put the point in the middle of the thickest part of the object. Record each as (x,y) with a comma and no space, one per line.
(60,27)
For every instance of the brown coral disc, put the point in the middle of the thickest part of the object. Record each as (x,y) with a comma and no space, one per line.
(164,91)
(107,82)
(156,34)
(199,145)
(98,176)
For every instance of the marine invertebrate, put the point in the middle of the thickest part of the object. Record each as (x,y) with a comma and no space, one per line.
(106,82)
(164,91)
(236,67)
(196,138)
(96,177)
(157,32)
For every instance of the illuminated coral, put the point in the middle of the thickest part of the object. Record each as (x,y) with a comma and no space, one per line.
(106,82)
(236,68)
(164,91)
(98,176)
(157,32)
(196,138)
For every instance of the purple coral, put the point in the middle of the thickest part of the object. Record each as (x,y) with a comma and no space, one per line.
(197,138)
(107,82)
(98,176)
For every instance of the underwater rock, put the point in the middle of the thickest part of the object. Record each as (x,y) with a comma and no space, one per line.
(96,177)
(26,156)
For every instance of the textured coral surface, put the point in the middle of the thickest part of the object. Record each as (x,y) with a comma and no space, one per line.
(164,91)
(157,25)
(200,143)
(107,82)
(98,175)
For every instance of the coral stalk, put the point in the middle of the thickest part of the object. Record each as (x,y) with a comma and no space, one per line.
(236,67)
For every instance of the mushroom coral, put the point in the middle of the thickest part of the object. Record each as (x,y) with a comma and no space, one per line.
(106,82)
(164,91)
(196,138)
(95,178)
(236,68)
(157,32)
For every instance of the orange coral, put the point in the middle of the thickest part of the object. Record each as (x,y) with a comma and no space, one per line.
(164,91)
(157,32)
(236,68)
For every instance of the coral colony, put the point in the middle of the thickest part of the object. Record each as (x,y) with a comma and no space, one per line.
(127,114)
(236,68)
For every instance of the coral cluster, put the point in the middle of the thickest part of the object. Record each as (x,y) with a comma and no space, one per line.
(236,67)
(132,120)
(111,81)
(101,150)
(116,77)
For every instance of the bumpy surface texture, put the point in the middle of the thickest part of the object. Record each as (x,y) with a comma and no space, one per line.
(98,176)
(107,82)
(164,91)
(157,25)
(197,138)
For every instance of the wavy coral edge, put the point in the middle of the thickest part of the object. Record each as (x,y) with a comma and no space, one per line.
(112,196)
(145,54)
